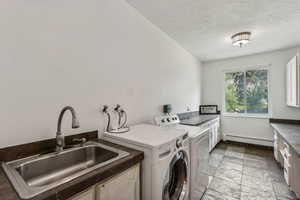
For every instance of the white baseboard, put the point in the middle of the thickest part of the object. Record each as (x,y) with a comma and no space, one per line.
(249,140)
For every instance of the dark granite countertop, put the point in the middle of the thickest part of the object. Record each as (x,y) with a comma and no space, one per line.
(69,189)
(290,133)
(198,120)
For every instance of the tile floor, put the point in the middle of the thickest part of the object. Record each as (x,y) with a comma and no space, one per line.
(245,172)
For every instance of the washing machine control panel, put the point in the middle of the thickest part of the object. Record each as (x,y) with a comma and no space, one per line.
(167,119)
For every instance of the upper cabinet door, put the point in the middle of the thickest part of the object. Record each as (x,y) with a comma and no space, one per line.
(292,82)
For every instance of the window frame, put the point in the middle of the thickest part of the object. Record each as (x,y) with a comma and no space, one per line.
(247,115)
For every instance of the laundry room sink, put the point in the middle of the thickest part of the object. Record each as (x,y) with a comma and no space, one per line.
(37,174)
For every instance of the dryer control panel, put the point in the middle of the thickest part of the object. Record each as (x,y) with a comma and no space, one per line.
(167,119)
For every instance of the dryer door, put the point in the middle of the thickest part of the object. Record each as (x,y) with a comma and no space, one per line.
(176,182)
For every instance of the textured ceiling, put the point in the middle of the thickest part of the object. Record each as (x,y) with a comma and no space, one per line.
(204,27)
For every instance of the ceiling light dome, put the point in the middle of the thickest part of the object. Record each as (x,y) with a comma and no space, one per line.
(241,39)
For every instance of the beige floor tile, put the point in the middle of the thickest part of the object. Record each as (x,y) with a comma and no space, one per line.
(251,156)
(256,183)
(239,149)
(228,165)
(255,172)
(214,195)
(227,159)
(227,188)
(249,193)
(260,164)
(234,154)
(231,175)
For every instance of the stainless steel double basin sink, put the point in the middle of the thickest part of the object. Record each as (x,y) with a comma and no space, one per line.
(37,174)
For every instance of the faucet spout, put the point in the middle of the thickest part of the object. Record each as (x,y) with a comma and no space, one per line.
(60,139)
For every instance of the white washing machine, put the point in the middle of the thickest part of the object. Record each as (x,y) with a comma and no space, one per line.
(165,168)
(199,152)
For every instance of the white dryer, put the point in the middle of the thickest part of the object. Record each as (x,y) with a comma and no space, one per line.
(165,168)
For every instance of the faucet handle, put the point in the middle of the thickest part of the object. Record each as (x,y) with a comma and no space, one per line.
(81,140)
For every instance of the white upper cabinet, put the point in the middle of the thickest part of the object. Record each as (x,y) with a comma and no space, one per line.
(292,82)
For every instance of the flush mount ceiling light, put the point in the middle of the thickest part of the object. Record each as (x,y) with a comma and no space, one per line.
(241,39)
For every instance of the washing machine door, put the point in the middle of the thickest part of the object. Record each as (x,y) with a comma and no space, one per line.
(176,181)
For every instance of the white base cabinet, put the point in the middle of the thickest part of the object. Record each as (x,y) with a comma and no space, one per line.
(124,186)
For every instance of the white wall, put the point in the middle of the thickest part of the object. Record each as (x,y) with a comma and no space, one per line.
(213,84)
(85,54)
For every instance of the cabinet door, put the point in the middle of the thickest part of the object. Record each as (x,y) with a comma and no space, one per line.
(86,195)
(122,187)
(292,82)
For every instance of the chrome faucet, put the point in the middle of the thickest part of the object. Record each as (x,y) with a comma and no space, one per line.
(60,138)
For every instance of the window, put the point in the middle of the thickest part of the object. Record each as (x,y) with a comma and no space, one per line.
(247,92)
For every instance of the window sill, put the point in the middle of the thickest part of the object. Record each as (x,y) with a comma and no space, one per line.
(257,116)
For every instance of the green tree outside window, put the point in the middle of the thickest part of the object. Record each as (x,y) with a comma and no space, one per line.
(247,92)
